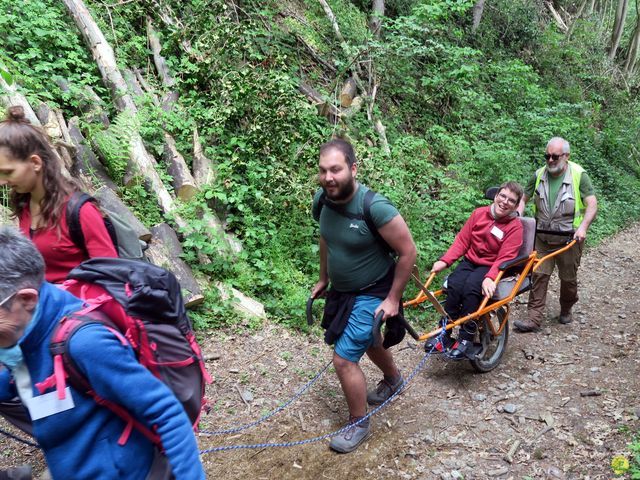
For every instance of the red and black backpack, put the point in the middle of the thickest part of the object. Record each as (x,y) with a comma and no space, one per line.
(142,304)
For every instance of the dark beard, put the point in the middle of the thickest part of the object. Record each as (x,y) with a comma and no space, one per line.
(343,193)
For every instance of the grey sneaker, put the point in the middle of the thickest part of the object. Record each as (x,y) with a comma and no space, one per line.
(349,440)
(565,318)
(383,391)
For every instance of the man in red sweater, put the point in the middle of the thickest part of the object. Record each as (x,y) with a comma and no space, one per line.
(492,235)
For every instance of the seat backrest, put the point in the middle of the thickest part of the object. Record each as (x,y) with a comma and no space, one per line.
(528,235)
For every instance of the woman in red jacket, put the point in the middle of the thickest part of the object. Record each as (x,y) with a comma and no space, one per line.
(39,197)
(491,236)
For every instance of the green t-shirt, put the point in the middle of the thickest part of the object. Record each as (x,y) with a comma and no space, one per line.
(355,259)
(586,187)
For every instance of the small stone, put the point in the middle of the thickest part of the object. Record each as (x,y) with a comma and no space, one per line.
(479,397)
(595,369)
(247,396)
(498,472)
(456,475)
(555,472)
(546,331)
(622,315)
(509,408)
(502,386)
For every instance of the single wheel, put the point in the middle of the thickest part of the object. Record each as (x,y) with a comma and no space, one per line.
(493,346)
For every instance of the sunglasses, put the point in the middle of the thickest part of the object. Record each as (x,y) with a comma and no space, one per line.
(7,299)
(555,156)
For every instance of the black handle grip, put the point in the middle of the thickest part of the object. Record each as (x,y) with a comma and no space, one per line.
(377,323)
(309,311)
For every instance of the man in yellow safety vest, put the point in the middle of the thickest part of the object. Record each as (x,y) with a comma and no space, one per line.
(564,201)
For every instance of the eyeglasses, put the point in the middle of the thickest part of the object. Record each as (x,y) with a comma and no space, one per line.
(555,156)
(7,299)
(502,197)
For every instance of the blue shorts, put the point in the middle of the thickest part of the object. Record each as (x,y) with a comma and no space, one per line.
(358,334)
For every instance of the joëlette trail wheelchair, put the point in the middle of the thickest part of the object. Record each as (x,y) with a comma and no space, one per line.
(492,316)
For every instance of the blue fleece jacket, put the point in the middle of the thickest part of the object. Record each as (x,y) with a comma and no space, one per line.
(82,442)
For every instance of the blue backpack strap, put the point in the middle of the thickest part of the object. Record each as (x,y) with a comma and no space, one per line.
(77,200)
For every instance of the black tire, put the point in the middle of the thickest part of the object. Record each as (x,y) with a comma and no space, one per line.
(493,347)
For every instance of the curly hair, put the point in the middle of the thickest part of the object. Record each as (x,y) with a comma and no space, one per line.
(22,139)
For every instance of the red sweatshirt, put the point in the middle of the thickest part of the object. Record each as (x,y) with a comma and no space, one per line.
(59,252)
(486,241)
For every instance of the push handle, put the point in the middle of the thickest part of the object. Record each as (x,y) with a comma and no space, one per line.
(310,311)
(409,328)
(377,323)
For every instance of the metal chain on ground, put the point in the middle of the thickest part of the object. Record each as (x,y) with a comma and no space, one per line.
(18,439)
(415,371)
(270,414)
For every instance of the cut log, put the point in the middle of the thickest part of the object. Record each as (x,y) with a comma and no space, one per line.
(158,60)
(89,102)
(241,302)
(131,80)
(86,163)
(348,92)
(183,183)
(55,127)
(324,108)
(165,251)
(112,202)
(203,173)
(9,96)
(141,160)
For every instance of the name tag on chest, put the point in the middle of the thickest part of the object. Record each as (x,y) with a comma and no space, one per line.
(49,404)
(496,232)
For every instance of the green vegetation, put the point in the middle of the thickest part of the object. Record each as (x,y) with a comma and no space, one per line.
(463,110)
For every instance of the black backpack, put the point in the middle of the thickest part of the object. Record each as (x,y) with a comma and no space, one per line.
(143,303)
(124,238)
(366,216)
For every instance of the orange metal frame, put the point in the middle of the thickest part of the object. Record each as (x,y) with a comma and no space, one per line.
(531,264)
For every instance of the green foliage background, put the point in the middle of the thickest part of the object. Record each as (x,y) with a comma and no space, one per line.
(463,111)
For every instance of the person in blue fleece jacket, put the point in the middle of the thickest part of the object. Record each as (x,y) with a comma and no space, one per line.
(79,438)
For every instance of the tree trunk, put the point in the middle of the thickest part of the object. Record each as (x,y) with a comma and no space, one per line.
(632,53)
(618,27)
(478,9)
(158,60)
(556,16)
(332,18)
(348,92)
(86,163)
(324,108)
(108,197)
(143,162)
(203,174)
(375,21)
(183,183)
(165,251)
(577,17)
(9,96)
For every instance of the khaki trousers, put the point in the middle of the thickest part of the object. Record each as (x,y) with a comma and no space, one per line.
(567,263)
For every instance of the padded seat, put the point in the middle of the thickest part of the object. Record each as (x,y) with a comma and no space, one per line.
(505,286)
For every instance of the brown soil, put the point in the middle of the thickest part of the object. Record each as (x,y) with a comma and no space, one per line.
(451,422)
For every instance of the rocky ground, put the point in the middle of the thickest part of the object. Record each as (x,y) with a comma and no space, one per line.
(561,404)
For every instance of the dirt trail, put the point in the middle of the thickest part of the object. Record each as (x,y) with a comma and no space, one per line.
(451,422)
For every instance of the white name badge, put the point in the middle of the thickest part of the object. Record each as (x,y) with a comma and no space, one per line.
(49,404)
(495,231)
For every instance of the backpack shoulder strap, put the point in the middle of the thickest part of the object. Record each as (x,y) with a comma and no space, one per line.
(366,207)
(77,200)
(65,368)
(322,201)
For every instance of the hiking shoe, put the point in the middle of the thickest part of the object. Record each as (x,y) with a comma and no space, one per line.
(526,325)
(353,436)
(383,391)
(565,318)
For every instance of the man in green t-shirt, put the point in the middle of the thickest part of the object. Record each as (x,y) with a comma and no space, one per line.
(364,279)
(564,201)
